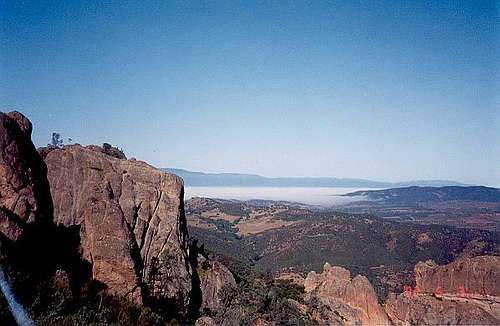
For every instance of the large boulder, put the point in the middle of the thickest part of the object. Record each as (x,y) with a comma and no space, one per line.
(336,298)
(131,218)
(24,189)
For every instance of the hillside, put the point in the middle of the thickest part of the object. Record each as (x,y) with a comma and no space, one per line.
(278,238)
(421,195)
(465,207)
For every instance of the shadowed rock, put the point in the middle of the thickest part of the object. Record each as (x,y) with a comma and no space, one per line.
(24,189)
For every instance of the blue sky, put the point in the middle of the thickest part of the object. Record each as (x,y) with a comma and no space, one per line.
(388,90)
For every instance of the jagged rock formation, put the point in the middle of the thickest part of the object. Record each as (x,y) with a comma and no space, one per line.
(131,218)
(464,292)
(24,189)
(336,298)
(214,278)
(478,275)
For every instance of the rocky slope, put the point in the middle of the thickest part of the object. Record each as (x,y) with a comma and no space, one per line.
(131,219)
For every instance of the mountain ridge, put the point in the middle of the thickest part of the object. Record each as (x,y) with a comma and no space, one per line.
(194,178)
(416,195)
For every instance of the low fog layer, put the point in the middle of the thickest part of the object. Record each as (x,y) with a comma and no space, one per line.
(322,196)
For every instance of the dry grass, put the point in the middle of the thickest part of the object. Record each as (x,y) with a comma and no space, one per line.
(196,222)
(262,224)
(215,214)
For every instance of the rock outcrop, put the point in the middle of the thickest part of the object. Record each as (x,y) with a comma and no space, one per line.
(336,298)
(131,218)
(215,278)
(427,310)
(121,220)
(24,189)
(464,292)
(478,276)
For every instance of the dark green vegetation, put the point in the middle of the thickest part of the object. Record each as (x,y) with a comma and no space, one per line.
(383,250)
(52,302)
(259,296)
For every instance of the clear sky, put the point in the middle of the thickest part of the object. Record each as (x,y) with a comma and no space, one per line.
(387,90)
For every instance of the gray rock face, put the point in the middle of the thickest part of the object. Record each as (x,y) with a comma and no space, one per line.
(24,189)
(133,228)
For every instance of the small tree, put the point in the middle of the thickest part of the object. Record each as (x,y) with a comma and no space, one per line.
(57,140)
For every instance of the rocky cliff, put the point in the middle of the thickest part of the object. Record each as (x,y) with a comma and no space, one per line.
(464,292)
(478,276)
(121,219)
(336,298)
(131,219)
(24,190)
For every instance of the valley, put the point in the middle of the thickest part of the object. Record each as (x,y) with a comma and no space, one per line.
(293,238)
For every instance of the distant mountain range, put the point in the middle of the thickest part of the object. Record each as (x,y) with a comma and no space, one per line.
(252,180)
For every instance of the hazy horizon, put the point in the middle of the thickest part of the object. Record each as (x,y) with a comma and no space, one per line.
(301,176)
(385,90)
